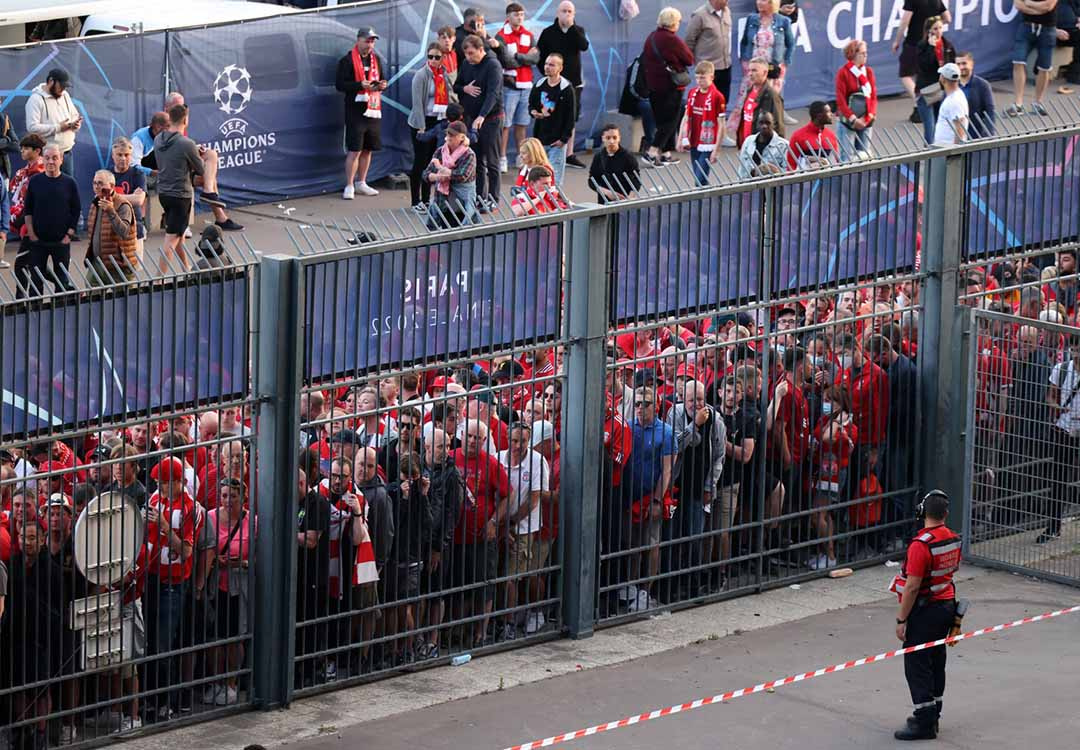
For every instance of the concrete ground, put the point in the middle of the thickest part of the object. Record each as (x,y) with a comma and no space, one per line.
(564,685)
(292,226)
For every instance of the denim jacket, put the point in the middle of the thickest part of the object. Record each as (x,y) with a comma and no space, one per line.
(783,39)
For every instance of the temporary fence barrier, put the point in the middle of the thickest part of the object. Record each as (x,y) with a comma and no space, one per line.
(562,350)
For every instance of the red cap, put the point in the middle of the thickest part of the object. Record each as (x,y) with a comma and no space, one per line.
(439,382)
(168,470)
(686,371)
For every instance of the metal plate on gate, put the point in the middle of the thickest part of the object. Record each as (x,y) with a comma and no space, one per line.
(108,537)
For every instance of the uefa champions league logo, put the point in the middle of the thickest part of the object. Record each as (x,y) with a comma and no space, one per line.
(232,89)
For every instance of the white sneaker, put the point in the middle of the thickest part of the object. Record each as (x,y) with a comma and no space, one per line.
(518,163)
(534,622)
(348,193)
(504,167)
(789,120)
(641,602)
(210,694)
(728,142)
(226,696)
(128,724)
(628,593)
(68,734)
(187,233)
(365,189)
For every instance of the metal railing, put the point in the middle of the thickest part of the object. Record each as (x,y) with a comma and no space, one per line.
(570,339)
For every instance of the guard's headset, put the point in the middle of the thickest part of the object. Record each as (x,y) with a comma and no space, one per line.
(920,509)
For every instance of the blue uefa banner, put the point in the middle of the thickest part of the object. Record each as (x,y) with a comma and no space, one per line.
(683,257)
(116,82)
(432,302)
(262,92)
(114,354)
(1022,195)
(842,228)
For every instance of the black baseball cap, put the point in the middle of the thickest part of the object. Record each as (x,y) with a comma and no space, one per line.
(60,76)
(367,32)
(345,436)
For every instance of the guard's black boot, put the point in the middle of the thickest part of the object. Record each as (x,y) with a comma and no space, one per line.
(921,729)
(913,723)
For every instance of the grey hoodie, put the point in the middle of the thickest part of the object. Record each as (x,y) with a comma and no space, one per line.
(177,159)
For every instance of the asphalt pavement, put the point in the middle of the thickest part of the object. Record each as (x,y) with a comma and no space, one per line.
(1014,689)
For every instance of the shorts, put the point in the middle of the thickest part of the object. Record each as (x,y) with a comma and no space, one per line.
(521,553)
(726,505)
(473,566)
(645,534)
(1030,36)
(402,581)
(516,106)
(365,597)
(909,60)
(434,581)
(541,552)
(229,615)
(133,613)
(177,212)
(362,133)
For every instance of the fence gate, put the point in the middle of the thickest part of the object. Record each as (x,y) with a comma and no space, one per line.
(1021,479)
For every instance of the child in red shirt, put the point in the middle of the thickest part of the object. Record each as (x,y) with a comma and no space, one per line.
(703,126)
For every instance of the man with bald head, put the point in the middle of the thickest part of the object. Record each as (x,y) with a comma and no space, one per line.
(700,437)
(566,38)
(445,496)
(380,514)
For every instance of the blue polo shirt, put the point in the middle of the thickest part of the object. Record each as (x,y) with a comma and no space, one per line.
(651,444)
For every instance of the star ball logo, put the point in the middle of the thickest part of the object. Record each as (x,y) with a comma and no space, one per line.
(232,91)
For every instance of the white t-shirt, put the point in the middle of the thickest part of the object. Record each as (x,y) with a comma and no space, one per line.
(954,107)
(531,475)
(1066,376)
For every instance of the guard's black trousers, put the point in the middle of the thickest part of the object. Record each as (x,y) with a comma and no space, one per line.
(925,670)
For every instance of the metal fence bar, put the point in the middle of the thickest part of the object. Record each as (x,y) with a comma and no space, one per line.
(280,338)
(583,418)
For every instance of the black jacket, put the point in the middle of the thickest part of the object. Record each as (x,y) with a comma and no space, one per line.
(380,519)
(488,76)
(928,63)
(412,522)
(560,100)
(345,82)
(570,44)
(619,172)
(444,497)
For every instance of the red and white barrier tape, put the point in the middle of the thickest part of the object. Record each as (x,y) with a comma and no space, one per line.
(660,712)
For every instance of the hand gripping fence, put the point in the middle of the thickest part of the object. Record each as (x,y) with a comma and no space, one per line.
(764,686)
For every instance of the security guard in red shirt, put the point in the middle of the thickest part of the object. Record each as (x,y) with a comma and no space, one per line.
(927,608)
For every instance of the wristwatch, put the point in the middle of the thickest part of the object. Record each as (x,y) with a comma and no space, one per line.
(900,622)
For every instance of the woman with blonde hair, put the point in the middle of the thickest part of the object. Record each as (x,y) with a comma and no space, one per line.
(533,154)
(666,62)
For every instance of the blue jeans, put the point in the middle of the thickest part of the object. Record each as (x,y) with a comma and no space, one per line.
(648,122)
(699,163)
(5,206)
(557,156)
(164,607)
(852,141)
(927,112)
(67,166)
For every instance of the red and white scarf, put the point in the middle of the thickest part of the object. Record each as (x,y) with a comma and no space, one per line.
(519,41)
(362,567)
(861,77)
(373,98)
(442,92)
(449,160)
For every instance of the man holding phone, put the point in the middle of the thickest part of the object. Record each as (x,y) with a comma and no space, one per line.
(111,224)
(361,76)
(51,114)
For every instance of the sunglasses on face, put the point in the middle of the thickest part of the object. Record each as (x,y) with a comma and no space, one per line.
(434,57)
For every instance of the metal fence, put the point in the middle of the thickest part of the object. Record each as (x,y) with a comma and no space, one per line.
(509,432)
(124,606)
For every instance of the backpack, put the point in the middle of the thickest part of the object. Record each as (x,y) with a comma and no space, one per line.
(636,75)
